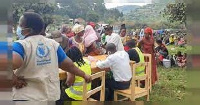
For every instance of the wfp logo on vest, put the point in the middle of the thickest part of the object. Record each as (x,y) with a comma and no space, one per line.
(43,54)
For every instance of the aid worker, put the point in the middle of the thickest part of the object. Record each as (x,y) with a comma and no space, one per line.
(136,55)
(38,59)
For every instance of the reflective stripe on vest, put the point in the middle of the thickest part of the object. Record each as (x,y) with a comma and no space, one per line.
(78,84)
(75,92)
(140,69)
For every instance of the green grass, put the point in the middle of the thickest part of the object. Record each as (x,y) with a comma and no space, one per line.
(172,82)
(171,85)
(173,49)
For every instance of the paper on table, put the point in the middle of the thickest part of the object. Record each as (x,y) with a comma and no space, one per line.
(92,59)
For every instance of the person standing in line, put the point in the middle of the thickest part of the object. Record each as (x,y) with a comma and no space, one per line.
(77,40)
(66,30)
(113,38)
(122,34)
(61,39)
(90,39)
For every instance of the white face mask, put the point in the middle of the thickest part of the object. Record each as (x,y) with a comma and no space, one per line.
(19,33)
(109,53)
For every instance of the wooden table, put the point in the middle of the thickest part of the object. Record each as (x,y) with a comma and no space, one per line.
(63,74)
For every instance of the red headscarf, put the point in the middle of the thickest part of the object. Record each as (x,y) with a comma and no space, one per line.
(149,31)
(92,24)
(148,46)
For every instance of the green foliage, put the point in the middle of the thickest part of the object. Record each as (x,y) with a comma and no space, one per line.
(44,9)
(152,15)
(90,10)
(113,13)
(176,12)
(110,21)
(85,8)
(92,16)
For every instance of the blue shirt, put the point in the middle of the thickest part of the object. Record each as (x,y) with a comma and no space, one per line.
(3,47)
(18,48)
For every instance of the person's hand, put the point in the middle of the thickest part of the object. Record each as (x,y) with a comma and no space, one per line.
(87,78)
(69,82)
(70,79)
(19,82)
(104,45)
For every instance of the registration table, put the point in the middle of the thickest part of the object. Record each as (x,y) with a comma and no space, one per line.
(92,59)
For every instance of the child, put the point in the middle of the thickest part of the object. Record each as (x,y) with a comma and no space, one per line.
(181,60)
(118,62)
(181,42)
(161,51)
(76,82)
(184,59)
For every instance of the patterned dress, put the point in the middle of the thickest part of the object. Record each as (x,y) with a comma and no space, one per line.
(80,46)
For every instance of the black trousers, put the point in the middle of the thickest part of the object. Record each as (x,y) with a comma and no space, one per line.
(112,85)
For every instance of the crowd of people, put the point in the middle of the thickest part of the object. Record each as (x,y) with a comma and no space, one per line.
(168,38)
(37,58)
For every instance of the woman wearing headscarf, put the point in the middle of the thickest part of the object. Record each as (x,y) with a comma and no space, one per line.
(77,40)
(147,46)
(94,27)
(66,30)
(90,39)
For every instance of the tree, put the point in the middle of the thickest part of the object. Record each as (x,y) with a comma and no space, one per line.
(176,12)
(44,9)
(92,16)
(82,8)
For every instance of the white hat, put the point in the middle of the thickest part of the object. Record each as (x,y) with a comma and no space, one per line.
(77,28)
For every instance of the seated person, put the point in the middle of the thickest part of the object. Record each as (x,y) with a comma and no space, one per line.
(118,62)
(184,59)
(171,39)
(161,51)
(136,55)
(181,42)
(126,47)
(181,59)
(76,82)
